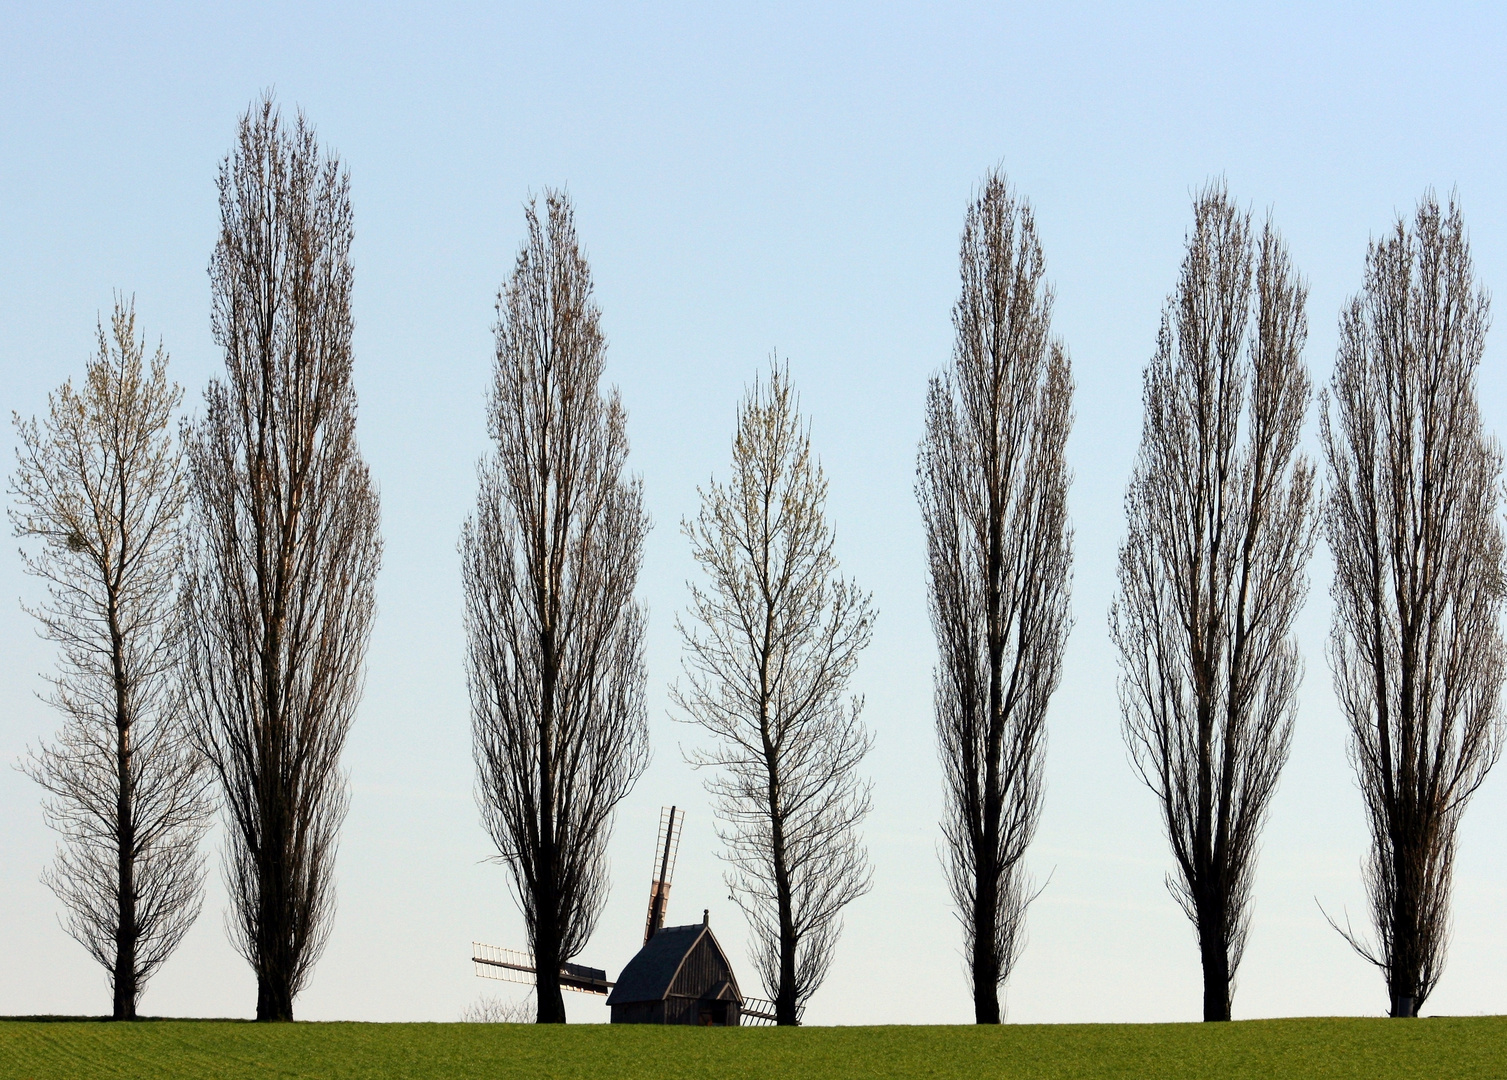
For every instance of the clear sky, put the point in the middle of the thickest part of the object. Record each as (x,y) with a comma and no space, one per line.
(746,178)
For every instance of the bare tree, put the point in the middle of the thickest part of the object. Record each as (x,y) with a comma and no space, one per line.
(555,662)
(1221,520)
(100,483)
(495,1010)
(1420,565)
(278,598)
(992,485)
(775,640)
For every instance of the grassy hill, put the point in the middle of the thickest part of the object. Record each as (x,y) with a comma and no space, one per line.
(1329,1048)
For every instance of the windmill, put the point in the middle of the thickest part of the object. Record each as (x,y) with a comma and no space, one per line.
(702,1005)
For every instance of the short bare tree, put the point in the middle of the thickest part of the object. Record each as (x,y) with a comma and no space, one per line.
(992,484)
(1420,570)
(770,649)
(495,1010)
(100,483)
(555,657)
(1221,520)
(285,546)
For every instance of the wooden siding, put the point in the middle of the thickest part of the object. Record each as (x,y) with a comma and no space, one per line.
(639,1012)
(678,1010)
(701,972)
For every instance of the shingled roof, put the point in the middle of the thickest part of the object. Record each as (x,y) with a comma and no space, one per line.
(651,973)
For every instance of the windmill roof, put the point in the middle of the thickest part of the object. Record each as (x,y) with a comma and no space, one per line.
(651,972)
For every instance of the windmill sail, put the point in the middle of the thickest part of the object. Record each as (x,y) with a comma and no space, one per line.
(510,965)
(759,1012)
(665,850)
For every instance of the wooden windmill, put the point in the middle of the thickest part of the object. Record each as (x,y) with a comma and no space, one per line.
(679,976)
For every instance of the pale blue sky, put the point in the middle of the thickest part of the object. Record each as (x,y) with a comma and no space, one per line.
(746,178)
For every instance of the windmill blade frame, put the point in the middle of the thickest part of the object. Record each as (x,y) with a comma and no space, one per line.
(759,1012)
(666,848)
(511,965)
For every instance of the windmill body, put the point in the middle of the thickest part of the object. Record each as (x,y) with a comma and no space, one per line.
(680,976)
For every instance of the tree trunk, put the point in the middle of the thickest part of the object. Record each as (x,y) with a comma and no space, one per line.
(1215,954)
(273,1000)
(548,995)
(124,976)
(550,999)
(986,958)
(985,962)
(784,1002)
(275,959)
(1404,975)
(274,992)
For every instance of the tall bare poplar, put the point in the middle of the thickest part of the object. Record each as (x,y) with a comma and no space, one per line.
(99,482)
(773,643)
(992,484)
(1420,568)
(1221,520)
(555,658)
(278,598)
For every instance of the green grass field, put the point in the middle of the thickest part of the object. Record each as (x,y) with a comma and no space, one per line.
(1328,1048)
